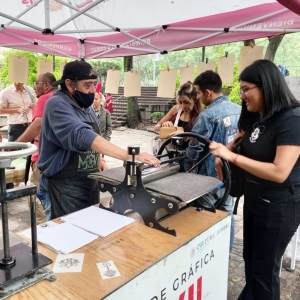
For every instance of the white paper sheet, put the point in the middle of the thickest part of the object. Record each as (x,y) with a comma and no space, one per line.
(68,263)
(97,220)
(108,269)
(39,228)
(65,238)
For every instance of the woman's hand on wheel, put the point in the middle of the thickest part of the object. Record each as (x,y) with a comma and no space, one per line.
(219,150)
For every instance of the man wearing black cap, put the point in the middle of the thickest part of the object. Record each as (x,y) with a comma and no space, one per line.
(70,144)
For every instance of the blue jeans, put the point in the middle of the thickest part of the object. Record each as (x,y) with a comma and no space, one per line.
(271,216)
(47,205)
(228,207)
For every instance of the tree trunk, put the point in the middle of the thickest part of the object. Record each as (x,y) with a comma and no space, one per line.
(273,46)
(134,117)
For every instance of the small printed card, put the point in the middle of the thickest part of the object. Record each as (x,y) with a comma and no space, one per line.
(108,269)
(40,228)
(67,263)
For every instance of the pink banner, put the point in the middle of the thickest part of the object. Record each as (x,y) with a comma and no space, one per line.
(248,23)
(293,5)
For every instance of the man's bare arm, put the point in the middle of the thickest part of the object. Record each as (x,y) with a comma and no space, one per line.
(32,131)
(11,110)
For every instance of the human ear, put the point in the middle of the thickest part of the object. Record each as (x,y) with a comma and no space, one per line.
(70,86)
(207,93)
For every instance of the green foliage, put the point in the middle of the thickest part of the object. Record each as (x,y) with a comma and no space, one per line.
(102,66)
(234,95)
(32,69)
(58,60)
(234,87)
(33,59)
(157,116)
(150,65)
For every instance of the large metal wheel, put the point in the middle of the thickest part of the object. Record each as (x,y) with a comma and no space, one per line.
(204,142)
(12,150)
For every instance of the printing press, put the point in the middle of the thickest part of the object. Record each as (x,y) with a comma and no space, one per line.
(156,193)
(21,265)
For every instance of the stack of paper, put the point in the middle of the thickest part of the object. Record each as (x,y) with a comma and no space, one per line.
(65,238)
(39,228)
(97,220)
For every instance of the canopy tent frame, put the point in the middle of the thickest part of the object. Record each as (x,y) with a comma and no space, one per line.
(139,35)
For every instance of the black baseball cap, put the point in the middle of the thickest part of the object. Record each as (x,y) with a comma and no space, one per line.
(76,70)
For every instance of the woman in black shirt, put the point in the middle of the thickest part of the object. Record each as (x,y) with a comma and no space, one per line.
(188,108)
(269,124)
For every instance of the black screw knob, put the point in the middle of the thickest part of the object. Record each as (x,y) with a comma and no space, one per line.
(133,150)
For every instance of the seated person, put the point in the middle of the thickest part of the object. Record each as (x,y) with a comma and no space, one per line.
(187,109)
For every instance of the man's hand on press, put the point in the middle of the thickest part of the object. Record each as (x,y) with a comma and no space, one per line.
(102,165)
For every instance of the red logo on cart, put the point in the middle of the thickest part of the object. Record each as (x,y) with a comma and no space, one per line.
(191,292)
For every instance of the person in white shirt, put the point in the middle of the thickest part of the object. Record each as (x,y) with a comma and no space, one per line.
(17,101)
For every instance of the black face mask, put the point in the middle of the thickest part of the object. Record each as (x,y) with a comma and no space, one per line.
(83,100)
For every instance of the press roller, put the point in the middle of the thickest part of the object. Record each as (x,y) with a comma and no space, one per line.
(146,189)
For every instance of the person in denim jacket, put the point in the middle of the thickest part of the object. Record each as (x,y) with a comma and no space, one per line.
(218,122)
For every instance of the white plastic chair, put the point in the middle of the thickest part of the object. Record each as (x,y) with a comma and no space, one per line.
(294,253)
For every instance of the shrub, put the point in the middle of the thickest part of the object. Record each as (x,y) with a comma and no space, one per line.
(157,116)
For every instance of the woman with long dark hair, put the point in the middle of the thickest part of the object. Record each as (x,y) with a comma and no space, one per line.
(269,124)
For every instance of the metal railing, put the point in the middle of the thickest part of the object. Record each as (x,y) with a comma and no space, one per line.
(118,105)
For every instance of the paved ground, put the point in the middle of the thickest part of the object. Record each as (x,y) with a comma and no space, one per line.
(290,282)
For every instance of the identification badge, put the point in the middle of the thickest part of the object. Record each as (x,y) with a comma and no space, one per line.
(227,121)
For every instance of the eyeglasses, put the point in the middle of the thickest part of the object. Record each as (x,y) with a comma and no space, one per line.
(38,82)
(242,93)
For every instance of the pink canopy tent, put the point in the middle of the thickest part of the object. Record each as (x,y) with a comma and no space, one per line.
(111,28)
(293,5)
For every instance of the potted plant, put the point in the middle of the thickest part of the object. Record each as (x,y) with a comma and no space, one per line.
(157,116)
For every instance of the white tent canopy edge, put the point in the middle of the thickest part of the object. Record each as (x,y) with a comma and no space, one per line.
(96,28)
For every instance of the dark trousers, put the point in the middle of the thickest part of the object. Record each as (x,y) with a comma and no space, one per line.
(271,217)
(15,130)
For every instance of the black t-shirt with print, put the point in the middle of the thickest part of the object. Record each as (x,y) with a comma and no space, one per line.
(261,140)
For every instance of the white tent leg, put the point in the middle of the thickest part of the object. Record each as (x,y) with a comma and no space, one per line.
(280,266)
(81,49)
(47,13)
(294,251)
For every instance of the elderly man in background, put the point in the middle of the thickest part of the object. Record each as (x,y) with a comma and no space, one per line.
(44,91)
(17,101)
